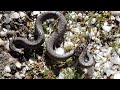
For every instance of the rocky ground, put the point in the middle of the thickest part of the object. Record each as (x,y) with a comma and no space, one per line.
(101,27)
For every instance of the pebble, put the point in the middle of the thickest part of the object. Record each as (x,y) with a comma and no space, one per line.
(14,15)
(22,14)
(3,34)
(77,30)
(115,60)
(60,51)
(93,21)
(7,75)
(7,69)
(106,28)
(18,64)
(7,18)
(61,75)
(117,18)
(0,16)
(18,76)
(115,13)
(116,76)
(31,61)
(118,51)
(36,12)
(112,18)
(108,65)
(109,72)
(1,42)
(11,59)
(7,46)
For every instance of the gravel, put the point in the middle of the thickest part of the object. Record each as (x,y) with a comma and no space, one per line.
(79,25)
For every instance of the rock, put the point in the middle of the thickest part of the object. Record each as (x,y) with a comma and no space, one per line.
(31,61)
(112,18)
(97,65)
(59,51)
(93,21)
(7,46)
(115,13)
(115,59)
(77,30)
(108,65)
(7,18)
(118,51)
(109,72)
(73,16)
(18,76)
(61,75)
(11,59)
(36,12)
(24,70)
(106,27)
(14,15)
(22,14)
(1,42)
(0,16)
(7,69)
(18,64)
(117,18)
(7,75)
(3,34)
(116,76)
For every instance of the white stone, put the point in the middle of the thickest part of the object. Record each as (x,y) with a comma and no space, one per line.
(115,60)
(116,76)
(31,61)
(73,16)
(106,28)
(77,30)
(97,65)
(93,20)
(7,69)
(22,14)
(60,51)
(117,18)
(1,42)
(18,64)
(80,14)
(11,59)
(14,15)
(108,65)
(18,76)
(115,13)
(3,33)
(7,75)
(61,75)
(36,12)
(112,18)
(7,46)
(0,16)
(109,72)
(118,51)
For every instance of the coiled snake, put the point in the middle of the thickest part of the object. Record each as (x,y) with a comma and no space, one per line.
(53,38)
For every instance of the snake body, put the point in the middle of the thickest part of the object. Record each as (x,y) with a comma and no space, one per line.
(86,62)
(39,32)
(51,41)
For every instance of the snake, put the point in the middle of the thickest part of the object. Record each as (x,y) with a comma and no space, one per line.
(51,40)
(39,32)
(86,59)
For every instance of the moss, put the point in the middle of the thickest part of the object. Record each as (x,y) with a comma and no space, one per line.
(69,48)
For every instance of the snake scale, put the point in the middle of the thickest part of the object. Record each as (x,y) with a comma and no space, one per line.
(51,41)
